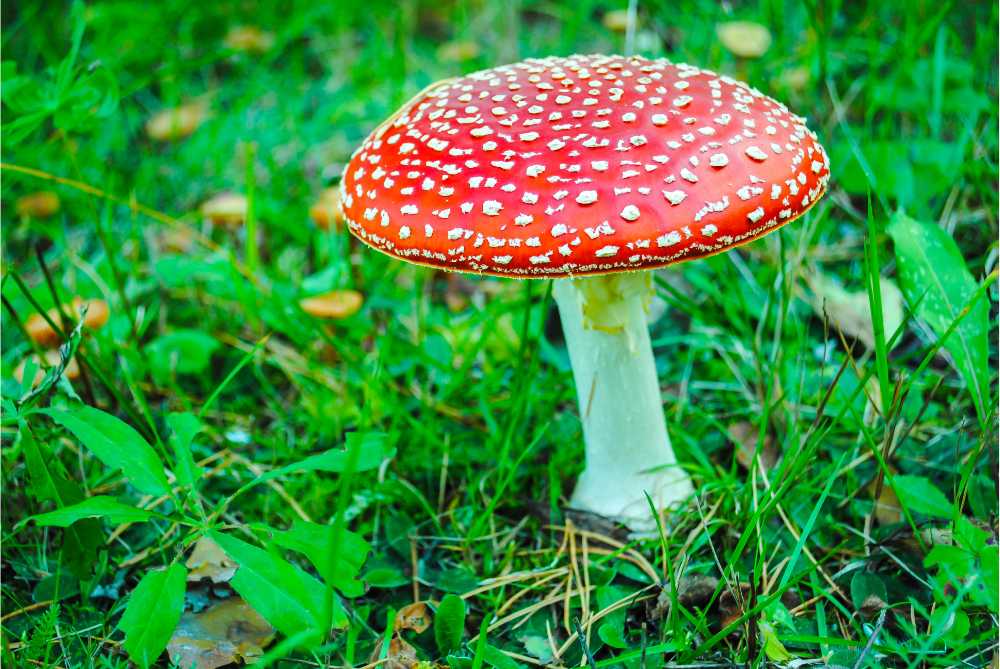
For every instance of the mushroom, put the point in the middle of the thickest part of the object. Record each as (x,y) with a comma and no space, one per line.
(588,170)
(38,328)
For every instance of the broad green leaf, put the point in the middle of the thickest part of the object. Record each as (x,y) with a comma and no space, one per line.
(957,564)
(183,351)
(100,506)
(773,648)
(117,445)
(498,660)
(48,482)
(919,494)
(374,450)
(449,624)
(315,542)
(951,623)
(153,611)
(384,577)
(183,428)
(865,584)
(938,286)
(989,560)
(612,627)
(287,597)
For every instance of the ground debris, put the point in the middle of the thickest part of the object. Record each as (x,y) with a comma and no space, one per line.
(227,632)
(207,560)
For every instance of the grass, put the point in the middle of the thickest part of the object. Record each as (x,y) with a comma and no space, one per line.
(458,391)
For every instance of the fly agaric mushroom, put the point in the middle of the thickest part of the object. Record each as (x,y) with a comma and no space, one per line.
(588,169)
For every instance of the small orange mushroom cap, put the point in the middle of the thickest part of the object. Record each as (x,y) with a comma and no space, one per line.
(581,165)
(42,333)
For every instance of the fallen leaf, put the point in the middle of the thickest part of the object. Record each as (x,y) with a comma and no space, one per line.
(42,333)
(176,123)
(457,51)
(335,304)
(208,560)
(872,605)
(41,204)
(415,616)
(887,507)
(744,39)
(692,590)
(249,39)
(745,436)
(401,655)
(850,312)
(225,209)
(326,212)
(616,20)
(227,632)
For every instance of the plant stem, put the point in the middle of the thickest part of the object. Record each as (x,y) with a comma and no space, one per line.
(618,392)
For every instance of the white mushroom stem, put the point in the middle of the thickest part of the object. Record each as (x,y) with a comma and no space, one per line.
(628,449)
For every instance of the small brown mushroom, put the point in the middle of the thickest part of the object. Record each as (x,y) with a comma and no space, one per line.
(249,39)
(616,20)
(326,213)
(335,304)
(42,333)
(457,51)
(744,39)
(172,124)
(228,210)
(40,204)
(51,359)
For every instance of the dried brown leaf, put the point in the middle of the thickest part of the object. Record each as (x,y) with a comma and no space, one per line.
(887,509)
(849,311)
(745,436)
(415,616)
(229,631)
(401,655)
(209,561)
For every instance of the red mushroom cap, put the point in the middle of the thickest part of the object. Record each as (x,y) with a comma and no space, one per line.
(580,165)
